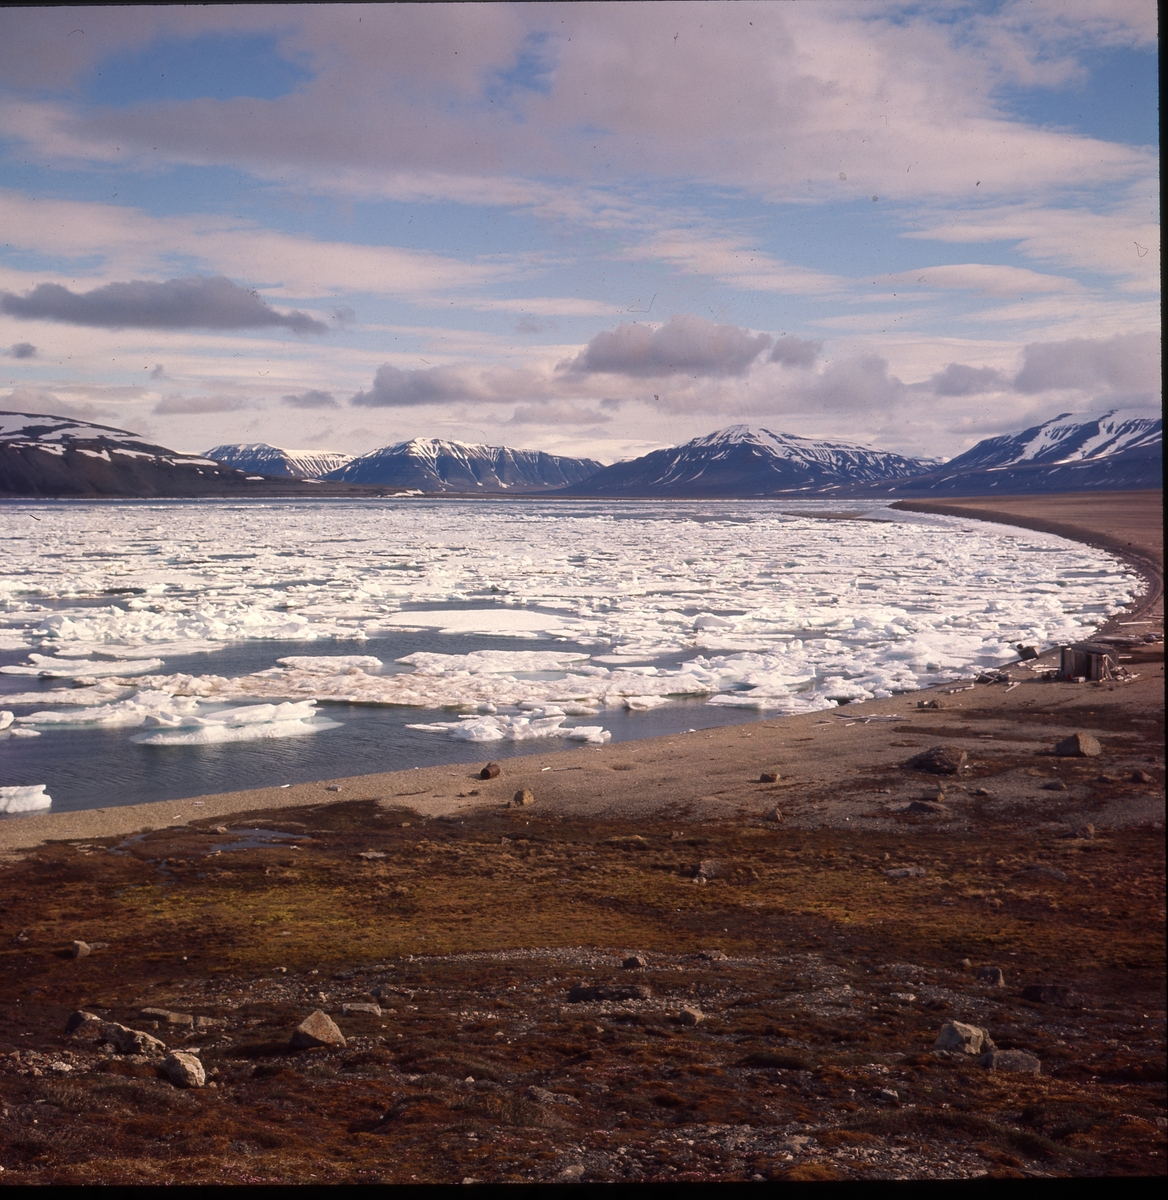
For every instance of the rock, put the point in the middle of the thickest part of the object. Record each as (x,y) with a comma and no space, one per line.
(571,1174)
(890,1094)
(522,797)
(982,792)
(1088,831)
(1141,777)
(991,976)
(930,704)
(220,828)
(583,993)
(372,854)
(372,1010)
(905,872)
(1057,994)
(776,815)
(1042,871)
(1025,653)
(333,787)
(183,1070)
(131,1041)
(769,777)
(211,1022)
(490,771)
(543,1096)
(1079,745)
(1055,785)
(957,1037)
(690,1015)
(712,955)
(931,807)
(1010,1060)
(167,1017)
(82,949)
(79,1018)
(59,1068)
(939,760)
(317,1029)
(635,962)
(709,868)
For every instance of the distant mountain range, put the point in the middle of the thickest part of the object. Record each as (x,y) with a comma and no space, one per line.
(262,459)
(431,465)
(44,455)
(747,460)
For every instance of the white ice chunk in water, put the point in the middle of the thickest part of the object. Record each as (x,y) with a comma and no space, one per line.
(45,667)
(6,718)
(251,723)
(325,664)
(24,799)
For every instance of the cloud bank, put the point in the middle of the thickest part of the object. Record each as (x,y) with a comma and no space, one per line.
(191,303)
(685,345)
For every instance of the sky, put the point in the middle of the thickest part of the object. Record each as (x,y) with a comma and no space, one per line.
(590,229)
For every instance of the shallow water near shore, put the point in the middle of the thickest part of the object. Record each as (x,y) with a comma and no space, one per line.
(272,635)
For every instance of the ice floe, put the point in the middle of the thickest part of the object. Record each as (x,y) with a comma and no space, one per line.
(25,799)
(246,724)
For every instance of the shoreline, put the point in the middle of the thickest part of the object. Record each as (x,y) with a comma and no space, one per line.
(715,773)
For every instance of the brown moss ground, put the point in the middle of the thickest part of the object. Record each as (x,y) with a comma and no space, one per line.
(476,928)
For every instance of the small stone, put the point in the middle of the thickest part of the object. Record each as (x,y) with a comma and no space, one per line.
(709,868)
(690,1015)
(490,771)
(776,815)
(183,1070)
(930,807)
(371,854)
(1043,871)
(333,787)
(583,993)
(372,1010)
(769,777)
(712,955)
(889,1094)
(79,1018)
(930,704)
(1087,831)
(1055,785)
(522,797)
(991,976)
(59,1068)
(635,962)
(1141,777)
(1010,1060)
(1057,994)
(939,760)
(957,1037)
(571,1174)
(131,1041)
(905,872)
(317,1029)
(82,949)
(220,828)
(1079,745)
(217,1022)
(965,962)
(167,1017)
(982,792)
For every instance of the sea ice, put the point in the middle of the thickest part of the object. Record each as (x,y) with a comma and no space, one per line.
(746,605)
(24,799)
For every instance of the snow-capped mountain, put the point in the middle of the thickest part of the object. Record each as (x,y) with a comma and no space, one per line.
(44,455)
(1116,450)
(748,460)
(1064,439)
(432,465)
(260,458)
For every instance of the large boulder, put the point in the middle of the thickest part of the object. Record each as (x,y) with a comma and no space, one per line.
(1079,745)
(939,760)
(958,1038)
(183,1070)
(1010,1060)
(132,1041)
(317,1029)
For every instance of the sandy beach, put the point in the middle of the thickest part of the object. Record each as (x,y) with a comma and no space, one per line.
(819,756)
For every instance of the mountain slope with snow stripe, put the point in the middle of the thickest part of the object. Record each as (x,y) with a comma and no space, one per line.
(259,457)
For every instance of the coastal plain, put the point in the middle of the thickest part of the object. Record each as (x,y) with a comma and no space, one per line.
(660,968)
